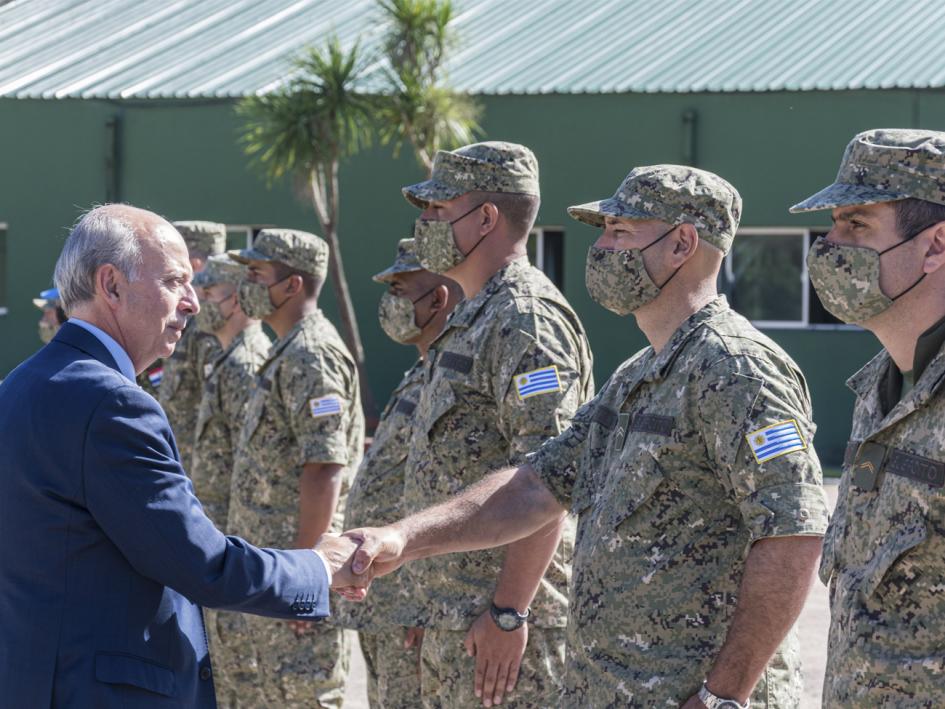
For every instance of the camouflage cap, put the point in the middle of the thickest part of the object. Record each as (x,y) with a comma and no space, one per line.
(296,249)
(220,268)
(885,165)
(488,167)
(405,262)
(675,194)
(206,237)
(48,298)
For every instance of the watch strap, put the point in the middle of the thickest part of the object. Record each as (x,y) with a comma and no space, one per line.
(713,701)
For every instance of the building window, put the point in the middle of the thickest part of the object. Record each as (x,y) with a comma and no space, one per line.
(546,252)
(3,268)
(765,278)
(241,236)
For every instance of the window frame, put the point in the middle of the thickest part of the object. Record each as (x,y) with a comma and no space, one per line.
(539,233)
(804,323)
(5,229)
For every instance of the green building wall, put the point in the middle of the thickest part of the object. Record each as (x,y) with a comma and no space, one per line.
(181,159)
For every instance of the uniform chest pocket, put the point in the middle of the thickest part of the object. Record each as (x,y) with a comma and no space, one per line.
(632,482)
(442,400)
(896,524)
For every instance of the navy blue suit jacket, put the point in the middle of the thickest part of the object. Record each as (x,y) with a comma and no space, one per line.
(105,554)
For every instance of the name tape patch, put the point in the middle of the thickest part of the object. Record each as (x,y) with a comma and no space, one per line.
(775,440)
(538,381)
(325,406)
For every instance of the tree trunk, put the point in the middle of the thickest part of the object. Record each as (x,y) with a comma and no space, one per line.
(349,320)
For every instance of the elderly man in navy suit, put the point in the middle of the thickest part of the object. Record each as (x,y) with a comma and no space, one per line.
(105,554)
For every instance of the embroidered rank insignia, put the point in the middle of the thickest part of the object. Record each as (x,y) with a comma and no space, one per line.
(538,381)
(325,406)
(775,440)
(155,376)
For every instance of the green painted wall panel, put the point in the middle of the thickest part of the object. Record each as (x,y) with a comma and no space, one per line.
(183,161)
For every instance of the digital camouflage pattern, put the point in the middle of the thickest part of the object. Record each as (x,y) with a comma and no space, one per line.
(884,553)
(846,279)
(376,498)
(436,245)
(471,420)
(492,166)
(398,318)
(670,497)
(280,434)
(182,385)
(617,279)
(885,165)
(406,261)
(296,249)
(675,194)
(202,238)
(219,418)
(447,673)
(393,671)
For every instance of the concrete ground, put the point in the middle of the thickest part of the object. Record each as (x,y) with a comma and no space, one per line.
(813,625)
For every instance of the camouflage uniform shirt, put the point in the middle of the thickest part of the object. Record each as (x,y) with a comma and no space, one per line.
(182,386)
(884,554)
(305,408)
(377,498)
(669,498)
(220,415)
(471,420)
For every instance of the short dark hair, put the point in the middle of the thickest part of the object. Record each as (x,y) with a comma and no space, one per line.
(520,210)
(914,215)
(310,284)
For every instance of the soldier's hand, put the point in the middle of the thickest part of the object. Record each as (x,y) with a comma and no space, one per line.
(498,658)
(380,552)
(693,703)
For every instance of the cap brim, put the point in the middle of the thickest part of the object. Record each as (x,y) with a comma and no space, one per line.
(422,193)
(40,303)
(204,279)
(247,255)
(388,273)
(593,213)
(840,194)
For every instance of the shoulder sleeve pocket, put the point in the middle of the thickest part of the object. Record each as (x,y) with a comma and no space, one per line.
(113,668)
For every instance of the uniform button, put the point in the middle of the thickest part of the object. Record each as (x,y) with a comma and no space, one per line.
(205,673)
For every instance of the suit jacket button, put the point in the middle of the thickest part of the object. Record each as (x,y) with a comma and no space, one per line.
(205,673)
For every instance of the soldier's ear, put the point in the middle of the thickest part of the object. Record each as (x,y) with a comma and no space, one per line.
(440,298)
(935,254)
(686,241)
(488,217)
(294,284)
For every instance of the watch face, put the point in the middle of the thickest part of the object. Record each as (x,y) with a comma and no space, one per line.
(507,622)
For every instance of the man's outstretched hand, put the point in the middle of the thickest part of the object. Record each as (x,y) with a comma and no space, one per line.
(338,552)
(381,550)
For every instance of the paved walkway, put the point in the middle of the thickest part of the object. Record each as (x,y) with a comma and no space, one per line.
(812,627)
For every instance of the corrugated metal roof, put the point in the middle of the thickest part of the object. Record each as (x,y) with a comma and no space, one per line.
(137,49)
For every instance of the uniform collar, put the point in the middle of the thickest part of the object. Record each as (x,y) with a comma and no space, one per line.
(658,365)
(279,345)
(410,376)
(466,311)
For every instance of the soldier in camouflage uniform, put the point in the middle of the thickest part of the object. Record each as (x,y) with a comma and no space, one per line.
(181,383)
(229,380)
(884,553)
(698,491)
(300,443)
(510,369)
(412,312)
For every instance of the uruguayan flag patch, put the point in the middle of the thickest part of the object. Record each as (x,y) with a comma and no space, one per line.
(155,376)
(325,406)
(538,381)
(774,440)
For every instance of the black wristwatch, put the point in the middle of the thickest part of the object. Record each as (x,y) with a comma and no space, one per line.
(508,619)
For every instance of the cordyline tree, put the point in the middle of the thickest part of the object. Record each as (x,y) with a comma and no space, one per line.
(324,114)
(419,109)
(304,130)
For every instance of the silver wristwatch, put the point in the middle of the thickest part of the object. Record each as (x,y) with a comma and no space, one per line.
(714,702)
(508,619)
